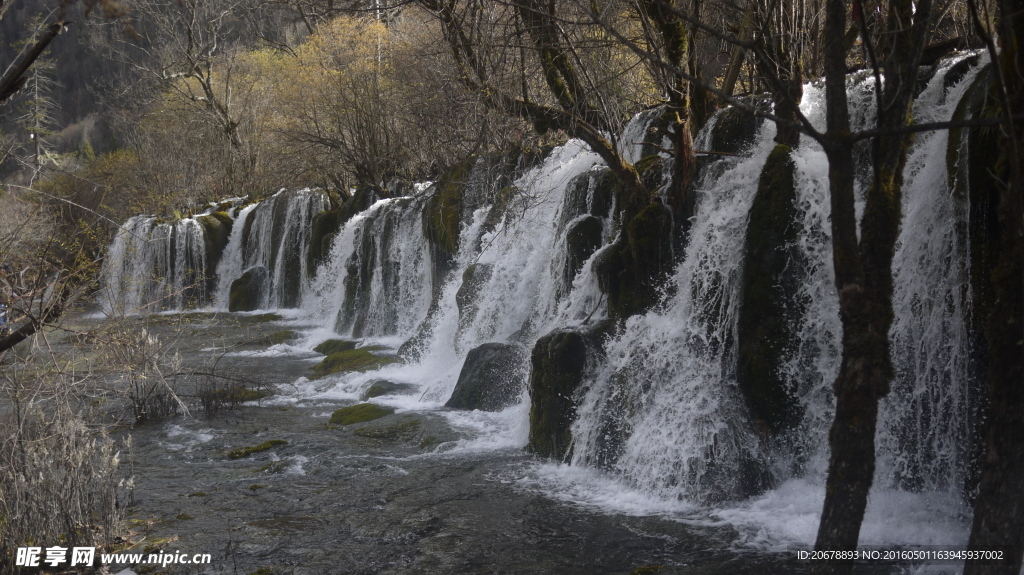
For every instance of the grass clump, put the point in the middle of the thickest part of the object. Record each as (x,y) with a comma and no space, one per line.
(247,451)
(361,359)
(359,413)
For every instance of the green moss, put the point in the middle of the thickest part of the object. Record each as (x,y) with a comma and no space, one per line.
(361,359)
(646,570)
(649,168)
(183,517)
(407,429)
(428,442)
(734,131)
(247,290)
(442,213)
(359,413)
(769,312)
(256,487)
(334,346)
(502,201)
(247,451)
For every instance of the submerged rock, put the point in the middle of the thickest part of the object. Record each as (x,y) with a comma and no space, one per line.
(247,291)
(490,379)
(385,387)
(559,362)
(359,413)
(216,231)
(769,313)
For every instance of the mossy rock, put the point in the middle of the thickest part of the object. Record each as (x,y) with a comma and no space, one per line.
(233,395)
(559,362)
(632,271)
(735,129)
(322,231)
(651,171)
(359,413)
(490,379)
(334,346)
(384,387)
(361,359)
(247,291)
(442,220)
(247,451)
(581,241)
(769,312)
(216,231)
(502,201)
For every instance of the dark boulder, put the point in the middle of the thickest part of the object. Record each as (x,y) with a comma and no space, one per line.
(491,378)
(559,363)
(247,292)
(769,311)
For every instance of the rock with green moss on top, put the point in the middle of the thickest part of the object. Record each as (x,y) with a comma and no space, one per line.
(247,291)
(216,231)
(322,232)
(361,359)
(334,346)
(359,413)
(247,451)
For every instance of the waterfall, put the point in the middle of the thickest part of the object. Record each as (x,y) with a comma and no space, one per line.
(661,412)
(154,265)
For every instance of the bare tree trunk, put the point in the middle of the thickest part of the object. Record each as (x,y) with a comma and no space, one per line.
(864,269)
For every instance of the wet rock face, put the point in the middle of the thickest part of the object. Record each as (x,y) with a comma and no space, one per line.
(247,291)
(769,313)
(735,129)
(582,240)
(490,379)
(216,231)
(632,271)
(559,365)
(474,278)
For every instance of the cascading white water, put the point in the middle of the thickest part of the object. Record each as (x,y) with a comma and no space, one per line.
(275,238)
(153,266)
(376,280)
(232,261)
(924,431)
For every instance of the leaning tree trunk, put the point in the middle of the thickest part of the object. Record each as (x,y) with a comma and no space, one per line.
(864,269)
